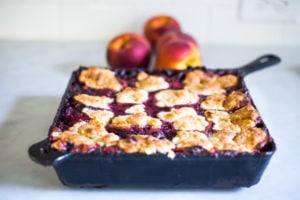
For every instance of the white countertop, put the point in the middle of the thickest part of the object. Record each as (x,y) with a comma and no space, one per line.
(34,75)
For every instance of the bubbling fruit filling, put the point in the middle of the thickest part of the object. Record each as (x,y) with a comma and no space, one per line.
(194,111)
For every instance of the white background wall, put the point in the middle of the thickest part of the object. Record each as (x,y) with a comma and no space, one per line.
(209,21)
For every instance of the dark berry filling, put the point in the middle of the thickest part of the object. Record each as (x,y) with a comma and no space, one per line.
(150,106)
(174,78)
(119,108)
(166,131)
(127,78)
(70,114)
(266,146)
(197,150)
(111,150)
(101,92)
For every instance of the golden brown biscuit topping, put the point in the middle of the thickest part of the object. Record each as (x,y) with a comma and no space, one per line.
(240,119)
(190,123)
(227,81)
(108,140)
(214,102)
(245,117)
(150,82)
(197,81)
(224,102)
(73,138)
(86,133)
(223,140)
(190,139)
(249,138)
(234,99)
(146,144)
(99,78)
(132,95)
(139,108)
(170,98)
(91,131)
(102,116)
(137,119)
(94,101)
(175,114)
(244,141)
(222,121)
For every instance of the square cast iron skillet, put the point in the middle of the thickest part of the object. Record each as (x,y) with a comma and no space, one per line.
(140,170)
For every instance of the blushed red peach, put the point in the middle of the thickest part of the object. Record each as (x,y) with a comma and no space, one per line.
(156,26)
(172,36)
(178,54)
(128,50)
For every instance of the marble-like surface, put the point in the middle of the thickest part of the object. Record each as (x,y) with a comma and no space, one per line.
(33,77)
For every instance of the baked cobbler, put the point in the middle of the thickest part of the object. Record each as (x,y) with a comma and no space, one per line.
(149,112)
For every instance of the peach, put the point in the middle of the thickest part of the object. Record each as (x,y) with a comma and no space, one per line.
(128,50)
(178,54)
(174,35)
(156,26)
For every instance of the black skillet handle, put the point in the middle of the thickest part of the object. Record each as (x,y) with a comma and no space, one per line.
(42,153)
(258,64)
